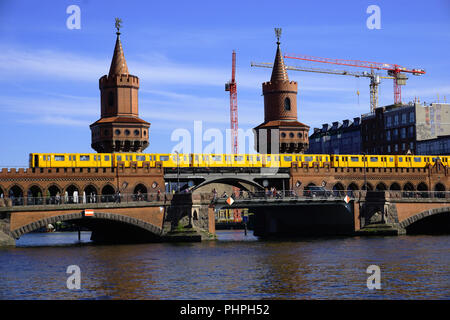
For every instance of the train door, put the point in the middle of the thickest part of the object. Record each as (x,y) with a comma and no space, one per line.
(36,160)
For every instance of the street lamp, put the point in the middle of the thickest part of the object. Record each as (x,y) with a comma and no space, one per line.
(178,172)
(365,177)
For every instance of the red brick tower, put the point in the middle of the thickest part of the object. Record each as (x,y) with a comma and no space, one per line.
(280,132)
(119,128)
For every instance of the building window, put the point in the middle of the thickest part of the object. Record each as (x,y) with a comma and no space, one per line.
(388,122)
(411,146)
(388,135)
(388,148)
(396,148)
(283,135)
(404,118)
(287,104)
(395,134)
(403,146)
(411,117)
(136,132)
(299,135)
(396,120)
(403,133)
(291,135)
(127,132)
(411,132)
(117,132)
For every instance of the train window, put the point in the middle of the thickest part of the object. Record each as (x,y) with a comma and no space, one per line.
(238,158)
(345,158)
(287,158)
(427,159)
(268,158)
(140,158)
(400,159)
(84,158)
(299,158)
(166,158)
(435,159)
(129,158)
(417,159)
(373,159)
(258,158)
(196,158)
(391,159)
(59,158)
(119,158)
(354,159)
(326,158)
(307,158)
(106,158)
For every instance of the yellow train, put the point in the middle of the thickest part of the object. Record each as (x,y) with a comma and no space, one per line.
(193,160)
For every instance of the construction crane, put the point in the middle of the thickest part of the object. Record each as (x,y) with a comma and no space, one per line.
(231,87)
(374,78)
(394,70)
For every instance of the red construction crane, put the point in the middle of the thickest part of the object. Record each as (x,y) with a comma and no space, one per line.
(231,86)
(393,70)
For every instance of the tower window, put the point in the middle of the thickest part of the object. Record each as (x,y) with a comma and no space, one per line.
(136,132)
(291,135)
(117,132)
(127,132)
(110,99)
(283,135)
(287,104)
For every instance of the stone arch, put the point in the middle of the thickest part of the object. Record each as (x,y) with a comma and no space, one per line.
(395,187)
(381,187)
(351,188)
(72,193)
(230,181)
(422,190)
(422,187)
(35,195)
(421,215)
(155,230)
(140,192)
(367,186)
(108,192)
(91,192)
(54,189)
(408,190)
(338,189)
(15,193)
(439,190)
(408,187)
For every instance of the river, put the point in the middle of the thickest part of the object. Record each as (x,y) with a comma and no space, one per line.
(236,266)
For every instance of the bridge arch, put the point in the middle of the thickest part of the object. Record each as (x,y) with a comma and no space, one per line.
(108,192)
(54,189)
(77,218)
(381,187)
(441,221)
(395,187)
(229,181)
(338,189)
(408,186)
(422,187)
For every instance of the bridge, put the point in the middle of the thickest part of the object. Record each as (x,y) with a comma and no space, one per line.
(191,216)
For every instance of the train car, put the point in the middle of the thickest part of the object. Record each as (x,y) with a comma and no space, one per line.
(70,160)
(128,158)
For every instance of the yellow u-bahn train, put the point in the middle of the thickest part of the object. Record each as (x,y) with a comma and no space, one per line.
(167,160)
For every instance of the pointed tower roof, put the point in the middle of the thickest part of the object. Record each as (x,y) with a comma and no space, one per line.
(279,70)
(118,63)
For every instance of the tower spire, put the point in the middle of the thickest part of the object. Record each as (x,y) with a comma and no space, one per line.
(118,63)
(278,70)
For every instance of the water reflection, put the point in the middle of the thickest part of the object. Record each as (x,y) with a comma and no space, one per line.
(234,267)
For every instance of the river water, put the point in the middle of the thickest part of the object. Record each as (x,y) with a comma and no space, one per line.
(234,267)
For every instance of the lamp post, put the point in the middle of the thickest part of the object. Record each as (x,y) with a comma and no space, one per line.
(365,177)
(178,172)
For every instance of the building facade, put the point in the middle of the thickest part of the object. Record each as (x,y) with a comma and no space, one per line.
(339,138)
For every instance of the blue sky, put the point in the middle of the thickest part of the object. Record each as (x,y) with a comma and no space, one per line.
(181,51)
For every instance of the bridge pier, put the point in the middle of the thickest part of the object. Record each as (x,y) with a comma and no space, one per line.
(6,238)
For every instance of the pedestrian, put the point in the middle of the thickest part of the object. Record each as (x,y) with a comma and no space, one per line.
(58,198)
(158,195)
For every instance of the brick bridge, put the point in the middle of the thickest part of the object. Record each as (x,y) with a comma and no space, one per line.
(20,212)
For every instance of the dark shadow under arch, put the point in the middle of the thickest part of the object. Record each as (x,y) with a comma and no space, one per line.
(95,221)
(433,221)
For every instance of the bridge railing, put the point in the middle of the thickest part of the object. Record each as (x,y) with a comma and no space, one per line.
(334,194)
(85,199)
